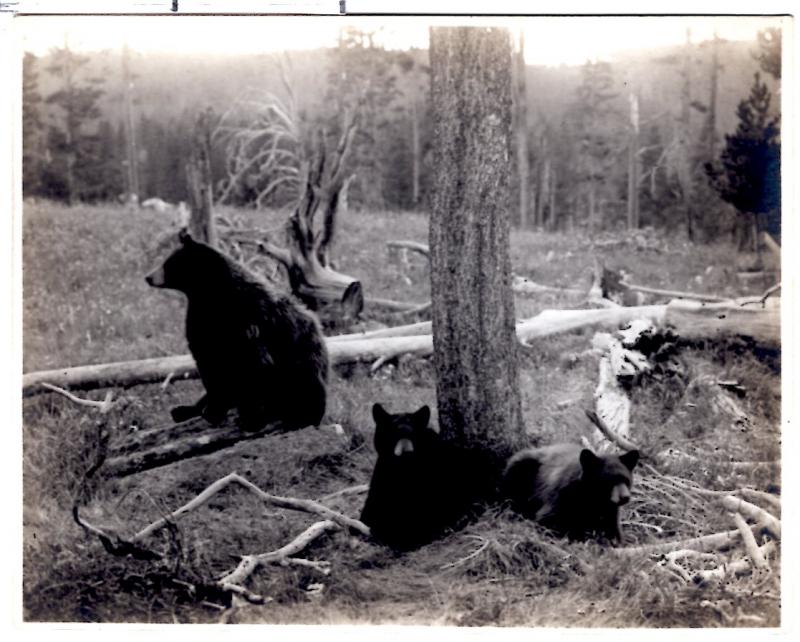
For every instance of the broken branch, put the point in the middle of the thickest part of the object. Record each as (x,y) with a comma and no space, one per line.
(304,505)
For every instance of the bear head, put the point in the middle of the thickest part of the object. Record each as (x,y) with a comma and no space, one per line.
(609,478)
(193,266)
(402,434)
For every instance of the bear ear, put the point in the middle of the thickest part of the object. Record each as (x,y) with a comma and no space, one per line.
(379,414)
(630,459)
(184,237)
(422,418)
(589,461)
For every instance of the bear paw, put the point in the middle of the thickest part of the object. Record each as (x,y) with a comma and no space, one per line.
(183,413)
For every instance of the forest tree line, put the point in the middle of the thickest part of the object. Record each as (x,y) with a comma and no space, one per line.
(685,137)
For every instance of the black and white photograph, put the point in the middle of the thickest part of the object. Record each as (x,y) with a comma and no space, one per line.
(451,321)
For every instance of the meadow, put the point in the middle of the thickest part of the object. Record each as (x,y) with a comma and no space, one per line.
(85,301)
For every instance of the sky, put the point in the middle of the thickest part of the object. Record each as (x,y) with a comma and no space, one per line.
(549,40)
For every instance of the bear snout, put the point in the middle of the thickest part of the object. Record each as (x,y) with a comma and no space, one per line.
(620,495)
(403,446)
(156,278)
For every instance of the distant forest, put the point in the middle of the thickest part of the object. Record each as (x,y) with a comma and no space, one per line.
(650,126)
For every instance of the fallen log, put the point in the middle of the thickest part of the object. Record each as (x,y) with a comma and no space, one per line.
(164,445)
(690,320)
(694,320)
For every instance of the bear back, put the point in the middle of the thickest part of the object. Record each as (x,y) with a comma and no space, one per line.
(256,349)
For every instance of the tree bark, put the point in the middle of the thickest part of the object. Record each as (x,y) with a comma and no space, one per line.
(521,132)
(201,186)
(475,351)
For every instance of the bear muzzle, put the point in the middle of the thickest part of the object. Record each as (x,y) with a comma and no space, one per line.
(403,446)
(156,278)
(620,494)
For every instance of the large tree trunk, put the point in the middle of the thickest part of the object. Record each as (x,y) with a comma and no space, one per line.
(475,352)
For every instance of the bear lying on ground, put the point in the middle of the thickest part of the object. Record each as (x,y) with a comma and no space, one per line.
(569,489)
(412,499)
(256,349)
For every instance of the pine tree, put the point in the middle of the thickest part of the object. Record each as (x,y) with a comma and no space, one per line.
(749,176)
(769,51)
(74,144)
(748,172)
(595,121)
(363,77)
(32,127)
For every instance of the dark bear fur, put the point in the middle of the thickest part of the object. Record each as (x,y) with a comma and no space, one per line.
(256,349)
(569,489)
(410,502)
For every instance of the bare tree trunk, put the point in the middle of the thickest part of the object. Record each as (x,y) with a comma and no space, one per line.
(685,177)
(130,130)
(553,215)
(544,185)
(70,129)
(521,132)
(711,123)
(475,352)
(633,166)
(201,187)
(415,154)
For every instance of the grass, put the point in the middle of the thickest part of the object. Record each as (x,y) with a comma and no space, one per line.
(85,301)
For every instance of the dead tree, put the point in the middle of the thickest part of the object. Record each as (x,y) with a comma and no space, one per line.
(201,186)
(311,227)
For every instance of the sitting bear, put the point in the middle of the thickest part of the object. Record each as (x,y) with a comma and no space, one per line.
(408,501)
(570,489)
(256,349)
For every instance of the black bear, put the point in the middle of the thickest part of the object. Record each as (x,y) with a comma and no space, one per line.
(569,489)
(407,506)
(256,349)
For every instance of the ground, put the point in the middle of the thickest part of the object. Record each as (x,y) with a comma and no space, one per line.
(85,301)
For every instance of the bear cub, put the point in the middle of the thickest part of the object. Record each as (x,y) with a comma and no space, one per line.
(256,350)
(404,507)
(570,490)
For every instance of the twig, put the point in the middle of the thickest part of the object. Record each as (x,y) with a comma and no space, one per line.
(737,567)
(304,505)
(465,559)
(616,439)
(759,515)
(379,363)
(714,541)
(749,541)
(250,563)
(773,501)
(351,490)
(104,406)
(763,298)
